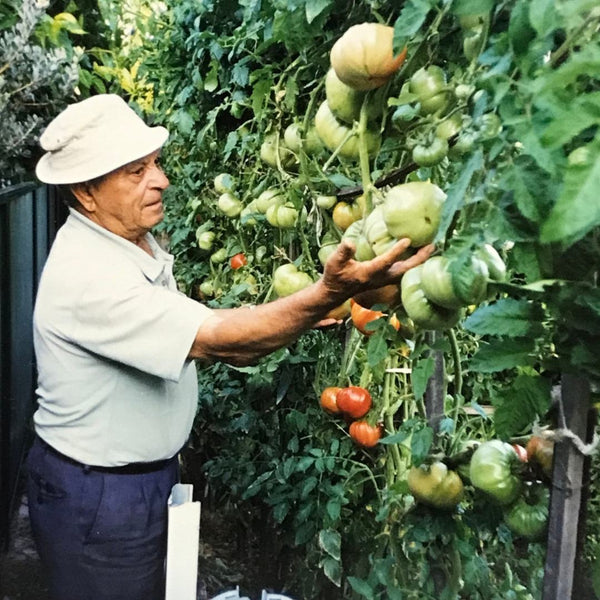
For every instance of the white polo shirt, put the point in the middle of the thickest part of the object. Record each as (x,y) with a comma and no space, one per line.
(111,335)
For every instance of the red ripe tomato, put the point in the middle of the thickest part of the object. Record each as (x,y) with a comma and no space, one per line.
(328,400)
(365,434)
(521,452)
(238,260)
(354,401)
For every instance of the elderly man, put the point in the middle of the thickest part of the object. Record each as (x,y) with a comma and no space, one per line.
(115,344)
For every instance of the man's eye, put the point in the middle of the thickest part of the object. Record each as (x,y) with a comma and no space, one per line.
(138,171)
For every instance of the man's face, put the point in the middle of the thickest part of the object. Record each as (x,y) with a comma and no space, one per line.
(128,201)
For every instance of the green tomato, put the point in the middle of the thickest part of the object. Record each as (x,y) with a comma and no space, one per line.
(272,147)
(495,469)
(528,516)
(496,267)
(283,216)
(420,310)
(287,280)
(474,21)
(413,210)
(449,126)
(429,85)
(332,133)
(470,280)
(436,281)
(463,145)
(354,231)
(326,251)
(326,202)
(312,144)
(229,205)
(224,182)
(246,216)
(205,239)
(489,126)
(428,156)
(207,288)
(269,198)
(292,136)
(364,251)
(435,485)
(219,256)
(345,102)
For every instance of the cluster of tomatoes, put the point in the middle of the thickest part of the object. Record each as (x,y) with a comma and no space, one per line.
(353,403)
(513,477)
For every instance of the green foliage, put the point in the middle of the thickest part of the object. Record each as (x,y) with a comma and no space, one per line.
(38,74)
(225,75)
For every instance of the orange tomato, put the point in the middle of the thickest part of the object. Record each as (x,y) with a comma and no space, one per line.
(361,316)
(328,400)
(364,434)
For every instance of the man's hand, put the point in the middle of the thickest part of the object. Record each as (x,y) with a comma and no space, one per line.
(344,276)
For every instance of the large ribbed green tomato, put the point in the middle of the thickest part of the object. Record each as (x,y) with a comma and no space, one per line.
(413,210)
(436,281)
(528,516)
(377,233)
(435,485)
(345,102)
(268,198)
(495,469)
(271,147)
(283,216)
(423,312)
(229,205)
(287,279)
(429,85)
(332,133)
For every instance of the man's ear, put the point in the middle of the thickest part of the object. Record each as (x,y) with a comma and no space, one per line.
(83,193)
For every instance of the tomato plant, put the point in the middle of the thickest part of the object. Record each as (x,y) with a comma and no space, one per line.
(500,87)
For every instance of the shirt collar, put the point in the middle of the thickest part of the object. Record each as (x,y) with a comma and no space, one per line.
(152,267)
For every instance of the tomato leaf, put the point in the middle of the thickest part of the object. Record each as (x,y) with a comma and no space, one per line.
(333,570)
(330,541)
(518,405)
(501,354)
(457,192)
(377,348)
(506,317)
(420,444)
(421,373)
(314,8)
(471,7)
(577,210)
(412,16)
(362,587)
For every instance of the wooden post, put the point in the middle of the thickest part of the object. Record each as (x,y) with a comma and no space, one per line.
(565,501)
(436,388)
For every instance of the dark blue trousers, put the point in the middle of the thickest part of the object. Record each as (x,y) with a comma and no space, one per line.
(100,535)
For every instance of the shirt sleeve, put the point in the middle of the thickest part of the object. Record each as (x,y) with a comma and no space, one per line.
(145,326)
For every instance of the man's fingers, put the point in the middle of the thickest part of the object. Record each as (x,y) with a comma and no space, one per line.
(395,252)
(346,250)
(415,260)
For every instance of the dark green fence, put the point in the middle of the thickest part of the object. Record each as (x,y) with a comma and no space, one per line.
(29,217)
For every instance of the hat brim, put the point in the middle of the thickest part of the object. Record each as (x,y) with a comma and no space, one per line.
(117,156)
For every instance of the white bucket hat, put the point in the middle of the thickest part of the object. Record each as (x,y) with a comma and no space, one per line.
(94,137)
